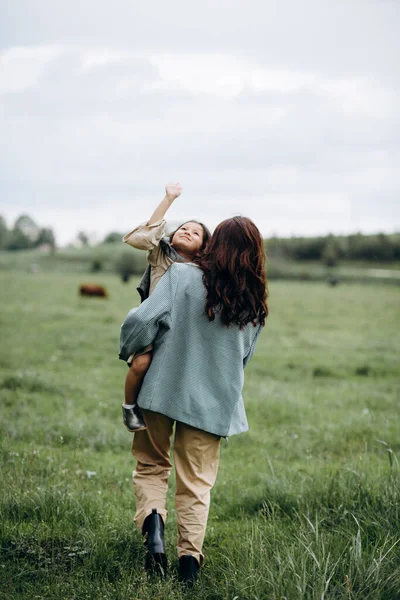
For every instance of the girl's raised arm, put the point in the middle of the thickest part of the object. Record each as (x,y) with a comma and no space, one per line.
(146,236)
(172,191)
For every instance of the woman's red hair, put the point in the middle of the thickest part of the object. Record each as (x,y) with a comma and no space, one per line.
(234,273)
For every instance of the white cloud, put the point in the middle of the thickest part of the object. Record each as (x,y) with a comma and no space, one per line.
(20,68)
(276,105)
(362,96)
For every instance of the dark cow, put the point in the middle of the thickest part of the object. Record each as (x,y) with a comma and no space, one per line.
(92,289)
(333,281)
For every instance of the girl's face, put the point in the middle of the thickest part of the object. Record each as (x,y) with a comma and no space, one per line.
(188,239)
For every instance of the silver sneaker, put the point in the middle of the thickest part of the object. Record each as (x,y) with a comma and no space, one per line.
(133,419)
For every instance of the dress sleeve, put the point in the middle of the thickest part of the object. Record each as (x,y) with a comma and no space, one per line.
(142,325)
(253,346)
(145,236)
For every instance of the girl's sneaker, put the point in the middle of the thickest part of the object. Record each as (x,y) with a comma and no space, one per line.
(133,418)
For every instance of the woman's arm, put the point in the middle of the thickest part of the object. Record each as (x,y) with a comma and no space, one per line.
(250,353)
(148,235)
(142,324)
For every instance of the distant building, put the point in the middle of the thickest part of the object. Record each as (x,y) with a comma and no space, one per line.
(45,248)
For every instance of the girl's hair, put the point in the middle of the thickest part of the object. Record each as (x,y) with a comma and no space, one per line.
(234,273)
(206,236)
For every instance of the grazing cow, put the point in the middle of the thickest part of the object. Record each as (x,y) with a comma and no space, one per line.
(92,289)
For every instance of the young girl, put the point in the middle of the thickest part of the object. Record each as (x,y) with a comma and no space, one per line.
(183,245)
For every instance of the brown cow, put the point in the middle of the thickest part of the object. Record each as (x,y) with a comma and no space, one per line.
(92,289)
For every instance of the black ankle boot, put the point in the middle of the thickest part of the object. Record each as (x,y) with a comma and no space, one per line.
(153,529)
(188,569)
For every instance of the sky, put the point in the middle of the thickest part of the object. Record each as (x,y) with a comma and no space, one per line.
(283,111)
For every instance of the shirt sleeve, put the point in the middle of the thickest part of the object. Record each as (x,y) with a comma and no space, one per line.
(253,346)
(145,236)
(143,324)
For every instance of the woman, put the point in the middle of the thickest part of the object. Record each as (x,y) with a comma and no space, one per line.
(203,321)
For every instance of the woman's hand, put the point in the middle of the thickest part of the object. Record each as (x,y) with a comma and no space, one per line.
(173,190)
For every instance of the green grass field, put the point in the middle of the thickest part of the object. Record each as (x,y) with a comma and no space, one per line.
(105,256)
(307,503)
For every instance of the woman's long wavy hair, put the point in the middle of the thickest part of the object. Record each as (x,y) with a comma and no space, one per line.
(234,273)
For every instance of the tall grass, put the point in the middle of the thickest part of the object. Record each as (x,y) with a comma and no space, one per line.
(306,504)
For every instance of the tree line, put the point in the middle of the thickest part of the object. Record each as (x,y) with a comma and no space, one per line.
(332,249)
(25,234)
(329,249)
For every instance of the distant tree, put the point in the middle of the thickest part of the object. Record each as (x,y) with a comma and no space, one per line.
(386,250)
(274,247)
(330,252)
(4,233)
(330,249)
(380,247)
(112,237)
(28,226)
(395,240)
(23,235)
(306,248)
(18,240)
(83,238)
(46,236)
(127,265)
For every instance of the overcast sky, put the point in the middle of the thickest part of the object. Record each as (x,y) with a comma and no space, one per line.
(283,111)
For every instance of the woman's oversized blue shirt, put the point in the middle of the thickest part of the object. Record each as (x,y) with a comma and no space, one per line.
(196,374)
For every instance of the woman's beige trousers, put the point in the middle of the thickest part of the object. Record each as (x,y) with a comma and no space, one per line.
(196,457)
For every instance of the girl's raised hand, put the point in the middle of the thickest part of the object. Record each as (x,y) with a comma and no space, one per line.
(173,190)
